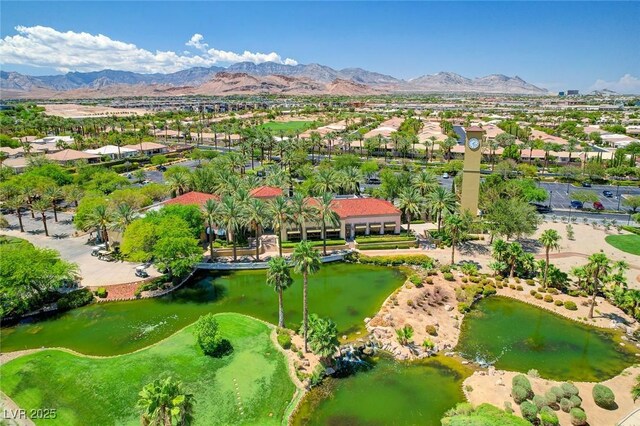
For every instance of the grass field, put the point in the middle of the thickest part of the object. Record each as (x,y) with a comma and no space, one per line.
(287,126)
(626,243)
(105,390)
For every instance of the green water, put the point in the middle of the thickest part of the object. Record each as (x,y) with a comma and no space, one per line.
(346,293)
(518,336)
(392,393)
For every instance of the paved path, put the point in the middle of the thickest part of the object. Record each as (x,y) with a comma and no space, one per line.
(94,272)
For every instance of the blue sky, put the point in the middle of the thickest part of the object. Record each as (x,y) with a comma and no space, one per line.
(557,45)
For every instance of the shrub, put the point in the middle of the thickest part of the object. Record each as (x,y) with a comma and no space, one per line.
(488,290)
(558,302)
(519,288)
(431,330)
(512,286)
(75,299)
(474,280)
(552,398)
(428,344)
(409,302)
(538,296)
(508,407)
(548,298)
(529,411)
(284,339)
(208,337)
(533,292)
(397,260)
(533,373)
(578,417)
(557,391)
(530,282)
(522,381)
(464,280)
(448,276)
(604,397)
(540,401)
(464,307)
(519,394)
(548,417)
(570,305)
(102,292)
(445,269)
(569,389)
(576,401)
(429,280)
(565,405)
(416,280)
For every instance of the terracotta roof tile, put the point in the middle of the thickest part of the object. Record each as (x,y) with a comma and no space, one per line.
(360,207)
(265,192)
(192,198)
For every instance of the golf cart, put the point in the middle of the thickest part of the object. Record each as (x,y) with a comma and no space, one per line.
(97,249)
(105,255)
(141,271)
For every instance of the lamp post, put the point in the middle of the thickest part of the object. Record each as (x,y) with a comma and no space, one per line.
(550,196)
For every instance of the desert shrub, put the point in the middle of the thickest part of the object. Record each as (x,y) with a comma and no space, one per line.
(474,280)
(533,292)
(521,380)
(75,299)
(397,260)
(208,337)
(464,280)
(558,302)
(565,405)
(427,344)
(464,307)
(431,330)
(519,288)
(448,276)
(529,411)
(538,296)
(284,338)
(578,417)
(569,389)
(604,397)
(552,398)
(548,417)
(102,292)
(409,302)
(416,280)
(519,394)
(557,391)
(530,282)
(548,298)
(540,401)
(512,286)
(508,407)
(570,305)
(553,291)
(488,290)
(533,373)
(429,280)
(445,269)
(576,401)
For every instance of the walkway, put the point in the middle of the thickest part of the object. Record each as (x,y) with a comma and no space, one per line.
(94,272)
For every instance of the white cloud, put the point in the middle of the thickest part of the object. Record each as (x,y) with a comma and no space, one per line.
(71,51)
(627,84)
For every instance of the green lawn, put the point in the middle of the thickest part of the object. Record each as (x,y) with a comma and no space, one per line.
(286,126)
(626,243)
(104,391)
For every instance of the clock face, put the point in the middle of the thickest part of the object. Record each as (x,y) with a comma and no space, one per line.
(474,144)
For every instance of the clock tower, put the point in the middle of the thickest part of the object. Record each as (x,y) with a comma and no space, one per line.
(471,170)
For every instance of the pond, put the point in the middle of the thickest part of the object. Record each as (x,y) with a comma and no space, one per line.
(392,393)
(347,293)
(517,336)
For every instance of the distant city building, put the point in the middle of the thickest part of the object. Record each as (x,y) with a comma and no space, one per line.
(560,93)
(573,92)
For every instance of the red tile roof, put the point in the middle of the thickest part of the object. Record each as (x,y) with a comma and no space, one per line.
(192,198)
(265,192)
(360,207)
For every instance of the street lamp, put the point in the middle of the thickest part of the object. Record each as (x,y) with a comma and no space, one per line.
(550,196)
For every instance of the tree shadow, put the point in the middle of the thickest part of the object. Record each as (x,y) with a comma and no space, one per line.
(36,231)
(474,248)
(530,245)
(615,317)
(60,236)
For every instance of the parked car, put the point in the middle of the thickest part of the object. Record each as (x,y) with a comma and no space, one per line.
(141,271)
(576,204)
(541,208)
(161,168)
(97,249)
(598,205)
(374,181)
(586,184)
(607,193)
(445,175)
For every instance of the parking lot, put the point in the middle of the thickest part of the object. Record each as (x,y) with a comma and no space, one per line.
(560,199)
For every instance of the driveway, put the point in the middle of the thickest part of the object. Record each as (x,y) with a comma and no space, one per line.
(93,272)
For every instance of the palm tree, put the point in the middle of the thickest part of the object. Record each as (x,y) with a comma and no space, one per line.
(441,201)
(325,181)
(327,217)
(254,216)
(279,278)
(597,270)
(101,219)
(165,401)
(550,240)
(455,226)
(425,182)
(231,213)
(16,203)
(301,212)
(179,181)
(513,253)
(349,180)
(447,145)
(411,203)
(279,211)
(73,193)
(123,215)
(41,205)
(306,260)
(211,214)
(53,193)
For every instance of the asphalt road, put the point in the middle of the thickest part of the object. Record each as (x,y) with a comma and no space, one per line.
(560,199)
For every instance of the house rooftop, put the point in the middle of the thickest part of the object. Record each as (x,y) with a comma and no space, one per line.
(265,192)
(70,155)
(362,207)
(192,198)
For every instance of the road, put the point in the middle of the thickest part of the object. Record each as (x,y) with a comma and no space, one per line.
(560,199)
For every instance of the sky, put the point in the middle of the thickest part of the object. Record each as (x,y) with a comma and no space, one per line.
(555,45)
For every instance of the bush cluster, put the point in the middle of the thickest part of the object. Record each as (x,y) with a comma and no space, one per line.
(604,397)
(548,298)
(75,299)
(529,411)
(284,338)
(448,276)
(102,292)
(578,417)
(548,417)
(208,337)
(570,305)
(405,259)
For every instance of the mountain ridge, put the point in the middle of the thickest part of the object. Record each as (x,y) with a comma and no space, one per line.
(316,76)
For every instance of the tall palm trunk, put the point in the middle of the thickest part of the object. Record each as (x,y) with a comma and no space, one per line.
(280,309)
(546,268)
(324,237)
(233,241)
(55,211)
(453,251)
(304,310)
(44,222)
(210,237)
(105,237)
(257,242)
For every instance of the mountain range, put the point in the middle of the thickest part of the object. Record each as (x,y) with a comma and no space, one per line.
(250,78)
